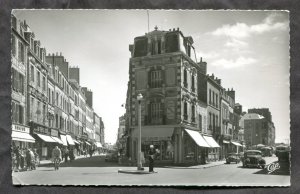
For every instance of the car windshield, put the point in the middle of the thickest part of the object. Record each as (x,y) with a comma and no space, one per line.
(253,153)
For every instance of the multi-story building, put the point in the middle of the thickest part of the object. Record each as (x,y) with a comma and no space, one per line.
(48,105)
(121,137)
(102,133)
(20,130)
(97,124)
(258,130)
(163,69)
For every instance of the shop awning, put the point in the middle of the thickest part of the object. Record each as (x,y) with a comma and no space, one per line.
(75,141)
(64,140)
(236,143)
(46,138)
(57,140)
(19,136)
(224,141)
(198,138)
(98,145)
(211,141)
(70,140)
(87,143)
(154,133)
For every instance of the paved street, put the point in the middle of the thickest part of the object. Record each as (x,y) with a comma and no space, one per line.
(94,171)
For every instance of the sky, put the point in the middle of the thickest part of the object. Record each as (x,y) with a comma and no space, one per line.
(248,50)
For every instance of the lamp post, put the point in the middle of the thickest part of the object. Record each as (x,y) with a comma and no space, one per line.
(139,164)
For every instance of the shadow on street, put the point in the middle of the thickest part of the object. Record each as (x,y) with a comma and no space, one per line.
(95,161)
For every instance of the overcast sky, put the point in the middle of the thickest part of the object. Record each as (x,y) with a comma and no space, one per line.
(248,50)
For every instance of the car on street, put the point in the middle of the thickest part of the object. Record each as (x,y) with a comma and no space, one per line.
(111,157)
(232,157)
(283,153)
(253,158)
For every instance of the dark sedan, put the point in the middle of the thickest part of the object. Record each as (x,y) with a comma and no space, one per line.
(253,158)
(232,157)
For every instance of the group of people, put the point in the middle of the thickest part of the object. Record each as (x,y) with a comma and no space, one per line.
(24,159)
(64,154)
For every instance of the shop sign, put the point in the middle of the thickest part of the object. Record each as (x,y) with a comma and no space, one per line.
(20,128)
(42,130)
(54,133)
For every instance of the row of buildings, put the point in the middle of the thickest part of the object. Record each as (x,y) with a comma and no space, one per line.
(185,113)
(49,107)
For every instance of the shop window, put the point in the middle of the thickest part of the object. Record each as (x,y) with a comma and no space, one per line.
(155,79)
(189,148)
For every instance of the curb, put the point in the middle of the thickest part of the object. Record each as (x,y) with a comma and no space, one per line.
(133,171)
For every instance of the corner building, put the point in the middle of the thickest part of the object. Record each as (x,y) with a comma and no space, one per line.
(163,69)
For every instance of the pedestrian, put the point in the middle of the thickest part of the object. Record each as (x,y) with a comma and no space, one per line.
(91,152)
(56,154)
(36,157)
(71,155)
(28,159)
(32,160)
(17,152)
(22,159)
(151,155)
(66,154)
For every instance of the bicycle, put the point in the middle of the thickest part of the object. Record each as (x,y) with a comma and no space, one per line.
(56,162)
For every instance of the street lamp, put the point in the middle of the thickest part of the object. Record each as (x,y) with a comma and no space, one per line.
(139,163)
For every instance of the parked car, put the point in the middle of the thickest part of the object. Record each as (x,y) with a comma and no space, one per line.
(232,157)
(283,153)
(253,158)
(111,157)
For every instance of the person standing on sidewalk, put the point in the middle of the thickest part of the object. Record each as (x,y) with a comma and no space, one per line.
(151,155)
(66,154)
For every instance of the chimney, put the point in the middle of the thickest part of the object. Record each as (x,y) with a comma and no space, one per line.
(177,29)
(60,54)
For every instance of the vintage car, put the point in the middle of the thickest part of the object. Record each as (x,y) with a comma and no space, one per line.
(232,157)
(253,158)
(283,153)
(111,157)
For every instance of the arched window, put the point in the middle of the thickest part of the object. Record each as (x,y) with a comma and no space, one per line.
(193,113)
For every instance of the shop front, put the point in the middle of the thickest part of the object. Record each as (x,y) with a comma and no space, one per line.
(237,147)
(159,137)
(214,150)
(44,142)
(21,137)
(195,147)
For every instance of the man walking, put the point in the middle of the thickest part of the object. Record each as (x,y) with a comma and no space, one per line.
(151,154)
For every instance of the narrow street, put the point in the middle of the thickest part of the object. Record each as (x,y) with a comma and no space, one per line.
(94,171)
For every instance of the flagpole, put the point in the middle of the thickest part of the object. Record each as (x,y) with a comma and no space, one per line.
(148,18)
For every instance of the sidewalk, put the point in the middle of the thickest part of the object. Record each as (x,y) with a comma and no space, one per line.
(45,162)
(200,166)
